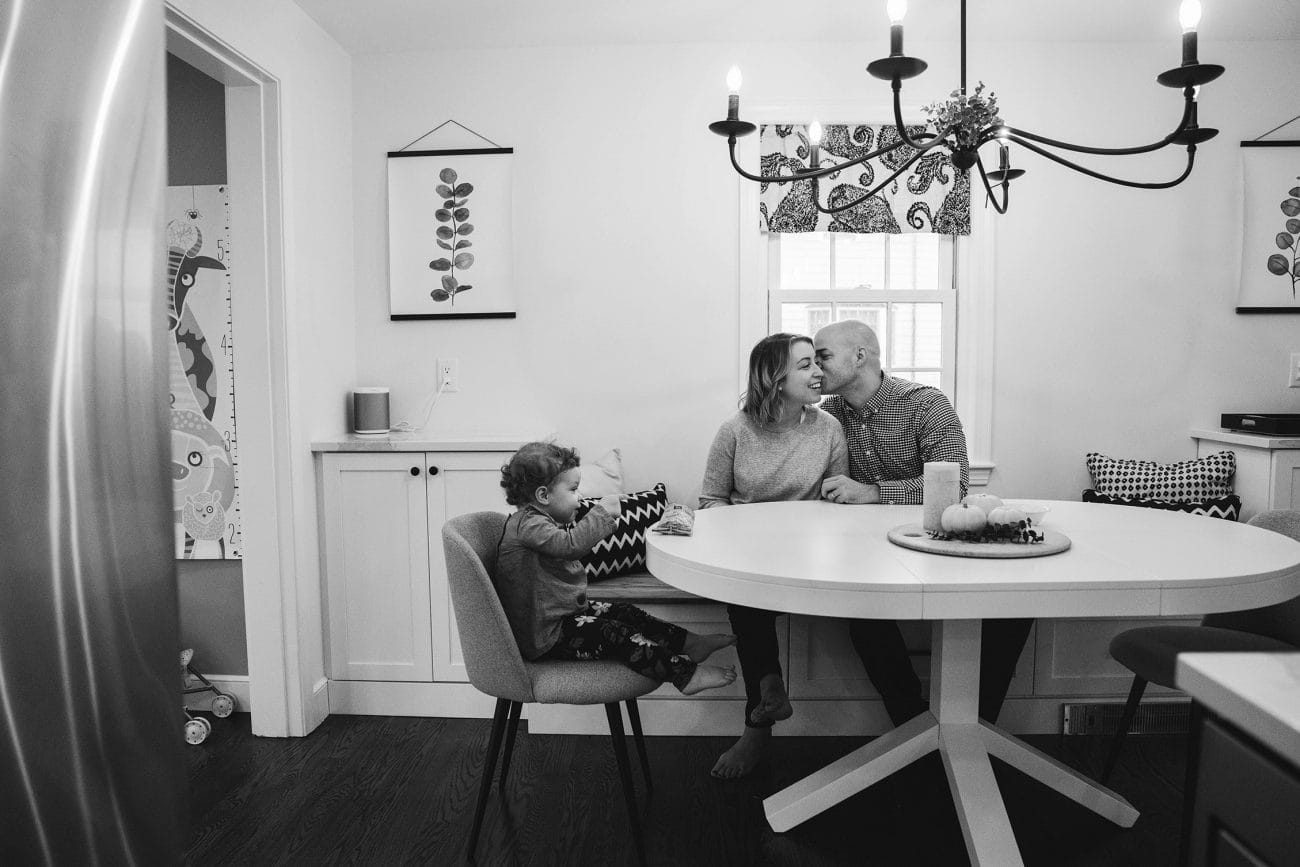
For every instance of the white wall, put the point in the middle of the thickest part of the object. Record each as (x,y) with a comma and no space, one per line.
(1115,330)
(315,85)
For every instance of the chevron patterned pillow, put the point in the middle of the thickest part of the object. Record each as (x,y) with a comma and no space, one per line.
(1228,508)
(623,551)
(1182,482)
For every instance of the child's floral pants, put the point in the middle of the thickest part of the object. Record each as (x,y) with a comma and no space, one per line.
(625,633)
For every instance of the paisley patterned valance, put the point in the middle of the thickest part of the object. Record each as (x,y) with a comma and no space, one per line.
(931,196)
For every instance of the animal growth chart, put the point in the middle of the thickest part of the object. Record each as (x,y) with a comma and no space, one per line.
(201,380)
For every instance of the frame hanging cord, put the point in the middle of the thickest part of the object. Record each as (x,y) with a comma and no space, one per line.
(1276,128)
(471,132)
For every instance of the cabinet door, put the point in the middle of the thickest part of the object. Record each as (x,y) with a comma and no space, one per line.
(375,527)
(458,483)
(1284,487)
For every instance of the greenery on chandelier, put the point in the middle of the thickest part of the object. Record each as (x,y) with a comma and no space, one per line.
(969,114)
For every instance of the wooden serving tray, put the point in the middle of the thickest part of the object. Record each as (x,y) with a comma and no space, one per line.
(914,537)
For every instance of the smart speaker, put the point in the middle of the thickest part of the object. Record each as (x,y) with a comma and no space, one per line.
(370,411)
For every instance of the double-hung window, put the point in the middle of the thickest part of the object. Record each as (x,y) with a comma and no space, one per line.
(903,286)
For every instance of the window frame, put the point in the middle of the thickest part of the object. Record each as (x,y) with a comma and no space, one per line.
(974,265)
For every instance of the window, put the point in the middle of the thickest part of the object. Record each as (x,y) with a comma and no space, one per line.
(901,285)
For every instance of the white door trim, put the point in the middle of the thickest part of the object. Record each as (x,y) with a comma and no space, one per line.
(283,698)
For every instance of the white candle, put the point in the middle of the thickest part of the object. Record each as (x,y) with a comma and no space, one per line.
(942,488)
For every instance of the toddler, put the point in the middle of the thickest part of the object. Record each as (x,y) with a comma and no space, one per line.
(543,587)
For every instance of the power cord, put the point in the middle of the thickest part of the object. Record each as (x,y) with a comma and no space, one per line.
(431,401)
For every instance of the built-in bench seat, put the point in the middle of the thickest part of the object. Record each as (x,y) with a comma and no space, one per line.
(638,587)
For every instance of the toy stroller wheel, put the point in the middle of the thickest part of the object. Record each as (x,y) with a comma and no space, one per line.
(196,730)
(223,706)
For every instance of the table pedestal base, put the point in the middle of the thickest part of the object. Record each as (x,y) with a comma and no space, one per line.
(965,743)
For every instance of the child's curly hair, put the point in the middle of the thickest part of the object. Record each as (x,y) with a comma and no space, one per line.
(535,465)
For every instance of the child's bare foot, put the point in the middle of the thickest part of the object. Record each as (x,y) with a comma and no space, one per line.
(774,704)
(701,647)
(743,755)
(709,677)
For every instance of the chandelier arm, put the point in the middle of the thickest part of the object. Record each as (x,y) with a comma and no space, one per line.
(806,174)
(868,194)
(1006,187)
(1159,185)
(991,134)
(902,130)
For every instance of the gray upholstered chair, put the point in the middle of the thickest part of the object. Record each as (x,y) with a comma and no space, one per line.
(1151,652)
(496,667)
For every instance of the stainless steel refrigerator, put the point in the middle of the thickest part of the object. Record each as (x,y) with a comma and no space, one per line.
(91,768)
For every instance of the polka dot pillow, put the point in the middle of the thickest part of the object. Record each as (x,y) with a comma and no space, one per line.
(1182,482)
(623,551)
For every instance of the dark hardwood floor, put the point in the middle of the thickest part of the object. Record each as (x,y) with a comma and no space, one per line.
(401,790)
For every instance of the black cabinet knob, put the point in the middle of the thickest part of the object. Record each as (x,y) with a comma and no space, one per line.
(415,471)
(433,471)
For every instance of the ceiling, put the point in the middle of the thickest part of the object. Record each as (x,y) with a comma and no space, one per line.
(380,26)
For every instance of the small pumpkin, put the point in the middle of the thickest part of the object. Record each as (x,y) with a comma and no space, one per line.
(1004,516)
(961,518)
(985,502)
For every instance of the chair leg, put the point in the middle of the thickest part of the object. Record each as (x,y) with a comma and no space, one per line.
(634,715)
(511,727)
(1125,721)
(489,765)
(615,715)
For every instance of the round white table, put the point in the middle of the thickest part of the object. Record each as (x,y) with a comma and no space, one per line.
(832,560)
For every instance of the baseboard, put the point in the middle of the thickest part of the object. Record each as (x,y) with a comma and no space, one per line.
(235,685)
(811,718)
(376,698)
(663,716)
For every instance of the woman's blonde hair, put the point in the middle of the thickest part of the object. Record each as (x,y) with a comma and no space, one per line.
(768,362)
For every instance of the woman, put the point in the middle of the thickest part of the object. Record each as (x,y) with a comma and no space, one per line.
(778,447)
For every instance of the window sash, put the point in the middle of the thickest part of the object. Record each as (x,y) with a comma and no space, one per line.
(946,296)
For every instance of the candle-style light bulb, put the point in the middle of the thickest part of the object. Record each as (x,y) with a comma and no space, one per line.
(733,93)
(815,144)
(1003,137)
(1189,15)
(896,9)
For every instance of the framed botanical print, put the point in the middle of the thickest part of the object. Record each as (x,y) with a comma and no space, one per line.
(1270,234)
(450,251)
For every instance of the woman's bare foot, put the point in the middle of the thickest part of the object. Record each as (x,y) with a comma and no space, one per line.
(709,677)
(774,704)
(743,755)
(701,647)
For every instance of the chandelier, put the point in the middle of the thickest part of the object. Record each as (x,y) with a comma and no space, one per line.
(965,123)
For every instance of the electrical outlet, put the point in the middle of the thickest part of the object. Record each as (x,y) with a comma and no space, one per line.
(1293,372)
(449,374)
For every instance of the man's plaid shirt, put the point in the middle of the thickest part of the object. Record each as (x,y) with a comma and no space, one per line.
(903,425)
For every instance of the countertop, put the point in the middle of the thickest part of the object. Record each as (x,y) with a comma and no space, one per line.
(1257,692)
(420,442)
(1240,438)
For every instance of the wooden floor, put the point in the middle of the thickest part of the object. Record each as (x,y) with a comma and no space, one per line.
(400,790)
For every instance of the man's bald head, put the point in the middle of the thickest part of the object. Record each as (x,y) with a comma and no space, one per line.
(847,338)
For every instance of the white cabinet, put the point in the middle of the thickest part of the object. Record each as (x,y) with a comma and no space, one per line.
(1268,468)
(388,608)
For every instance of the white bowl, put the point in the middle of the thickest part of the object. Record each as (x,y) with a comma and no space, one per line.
(1035,512)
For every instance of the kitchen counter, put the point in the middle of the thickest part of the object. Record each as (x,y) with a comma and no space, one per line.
(419,442)
(1257,692)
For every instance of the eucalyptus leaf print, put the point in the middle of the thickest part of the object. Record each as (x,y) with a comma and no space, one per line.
(1287,263)
(452,236)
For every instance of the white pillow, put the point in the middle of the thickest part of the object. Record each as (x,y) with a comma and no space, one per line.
(602,477)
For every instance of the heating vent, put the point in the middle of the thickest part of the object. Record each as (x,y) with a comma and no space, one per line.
(1152,718)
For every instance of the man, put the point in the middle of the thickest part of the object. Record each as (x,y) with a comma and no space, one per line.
(893,428)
